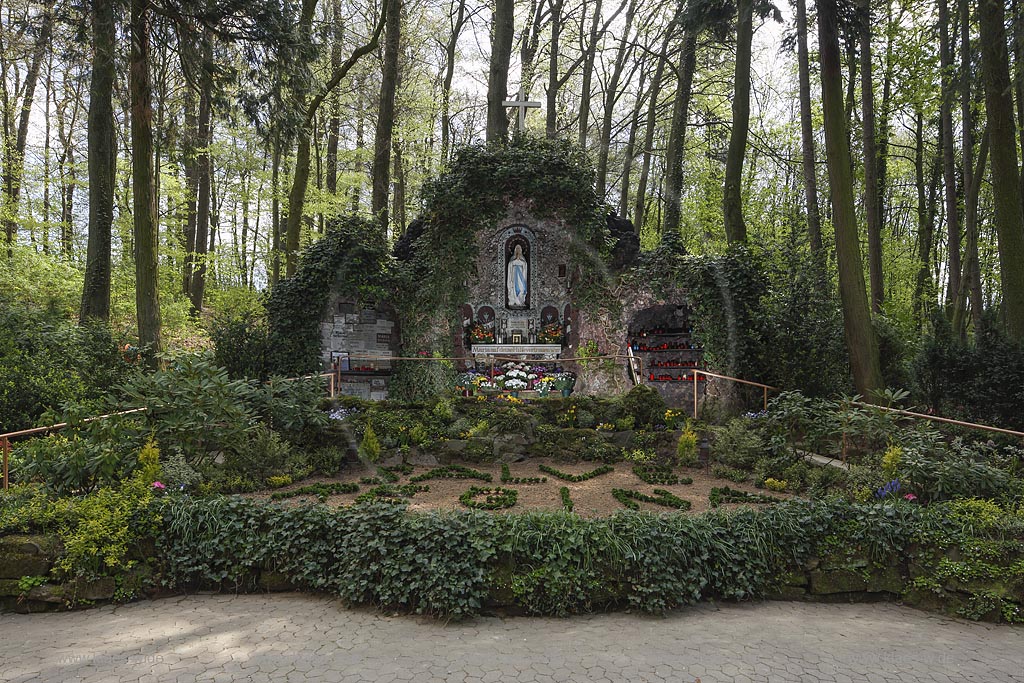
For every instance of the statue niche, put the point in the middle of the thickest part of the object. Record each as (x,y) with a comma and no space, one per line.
(517,273)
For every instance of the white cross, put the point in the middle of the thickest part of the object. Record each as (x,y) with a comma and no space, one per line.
(522,104)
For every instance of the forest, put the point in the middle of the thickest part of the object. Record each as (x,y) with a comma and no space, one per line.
(166,163)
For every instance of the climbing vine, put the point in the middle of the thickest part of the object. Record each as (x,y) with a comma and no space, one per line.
(437,256)
(351,258)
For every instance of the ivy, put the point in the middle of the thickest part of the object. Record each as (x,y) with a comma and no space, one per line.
(437,257)
(507,478)
(493,498)
(351,258)
(564,476)
(629,498)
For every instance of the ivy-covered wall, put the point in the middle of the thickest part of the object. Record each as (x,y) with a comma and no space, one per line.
(351,260)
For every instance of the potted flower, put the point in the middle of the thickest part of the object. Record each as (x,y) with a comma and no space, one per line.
(550,334)
(564,382)
(544,386)
(515,385)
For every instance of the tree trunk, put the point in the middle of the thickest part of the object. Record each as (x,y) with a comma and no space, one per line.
(948,159)
(334,122)
(732,192)
(861,341)
(551,113)
(630,152)
(147,297)
(458,23)
(871,210)
(677,134)
(399,199)
(1009,221)
(922,286)
(807,136)
(15,163)
(386,115)
(502,36)
(590,52)
(102,164)
(970,283)
(197,281)
(650,126)
(611,96)
(275,211)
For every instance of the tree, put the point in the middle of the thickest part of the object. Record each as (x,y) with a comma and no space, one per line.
(102,163)
(807,135)
(732,195)
(386,113)
(502,36)
(677,133)
(147,290)
(861,341)
(1009,221)
(948,159)
(872,210)
(14,157)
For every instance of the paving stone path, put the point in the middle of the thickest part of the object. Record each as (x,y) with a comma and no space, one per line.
(293,637)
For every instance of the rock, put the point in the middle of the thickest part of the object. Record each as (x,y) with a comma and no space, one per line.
(418,457)
(15,566)
(837,581)
(49,592)
(98,589)
(405,247)
(788,593)
(9,588)
(274,582)
(887,580)
(626,246)
(795,579)
(508,445)
(27,555)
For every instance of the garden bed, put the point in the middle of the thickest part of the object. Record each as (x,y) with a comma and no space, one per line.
(591,498)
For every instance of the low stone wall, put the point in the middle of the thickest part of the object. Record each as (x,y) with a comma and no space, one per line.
(25,564)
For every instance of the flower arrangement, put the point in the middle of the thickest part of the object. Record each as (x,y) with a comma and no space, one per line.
(550,334)
(479,334)
(564,380)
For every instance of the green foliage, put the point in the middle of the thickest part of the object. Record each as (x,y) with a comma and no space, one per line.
(629,498)
(279,480)
(469,198)
(730,473)
(644,404)
(604,469)
(320,489)
(46,362)
(656,474)
(937,475)
(241,343)
(370,446)
(724,494)
(567,503)
(507,478)
(394,493)
(452,472)
(482,498)
(980,382)
(262,454)
(737,444)
(686,448)
(351,259)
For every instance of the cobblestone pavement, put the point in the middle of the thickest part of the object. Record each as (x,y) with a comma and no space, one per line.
(292,637)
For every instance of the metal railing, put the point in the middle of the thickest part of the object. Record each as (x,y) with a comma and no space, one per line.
(5,439)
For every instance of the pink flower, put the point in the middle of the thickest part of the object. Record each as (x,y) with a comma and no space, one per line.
(159,486)
(910,496)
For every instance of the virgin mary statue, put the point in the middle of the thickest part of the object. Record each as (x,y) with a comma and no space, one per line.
(516,279)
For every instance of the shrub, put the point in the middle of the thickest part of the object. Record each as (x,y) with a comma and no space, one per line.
(686,448)
(737,444)
(327,459)
(279,481)
(370,446)
(262,454)
(775,484)
(241,342)
(730,473)
(645,405)
(943,476)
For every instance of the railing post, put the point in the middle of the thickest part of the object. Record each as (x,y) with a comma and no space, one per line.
(695,394)
(765,398)
(6,446)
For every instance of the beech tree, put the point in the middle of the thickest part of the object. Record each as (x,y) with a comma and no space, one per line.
(861,342)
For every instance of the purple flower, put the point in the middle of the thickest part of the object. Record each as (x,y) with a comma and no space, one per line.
(159,486)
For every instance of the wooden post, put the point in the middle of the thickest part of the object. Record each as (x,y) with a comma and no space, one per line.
(766,398)
(6,446)
(694,394)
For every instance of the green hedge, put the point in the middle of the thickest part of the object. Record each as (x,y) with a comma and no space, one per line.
(453,563)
